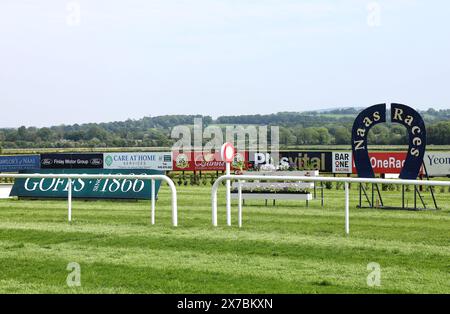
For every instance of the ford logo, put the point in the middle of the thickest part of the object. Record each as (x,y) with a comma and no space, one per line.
(96,161)
(46,162)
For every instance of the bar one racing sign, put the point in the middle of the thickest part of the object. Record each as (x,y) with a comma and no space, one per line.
(342,162)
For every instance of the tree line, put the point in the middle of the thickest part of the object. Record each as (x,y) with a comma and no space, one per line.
(305,128)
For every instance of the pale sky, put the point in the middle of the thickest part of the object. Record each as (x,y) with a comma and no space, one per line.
(135,58)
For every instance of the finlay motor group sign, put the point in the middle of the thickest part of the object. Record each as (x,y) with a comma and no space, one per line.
(437,164)
(71,161)
(155,161)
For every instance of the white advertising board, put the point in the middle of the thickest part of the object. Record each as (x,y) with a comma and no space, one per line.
(155,161)
(342,162)
(437,163)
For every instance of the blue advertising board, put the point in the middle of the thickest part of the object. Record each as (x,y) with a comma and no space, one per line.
(19,162)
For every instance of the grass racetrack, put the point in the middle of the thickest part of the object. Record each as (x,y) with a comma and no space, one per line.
(287,248)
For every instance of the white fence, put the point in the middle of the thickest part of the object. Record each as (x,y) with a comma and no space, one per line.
(346,181)
(71,177)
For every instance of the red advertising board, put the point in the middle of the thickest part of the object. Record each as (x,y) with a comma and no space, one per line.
(200,161)
(388,162)
(382,162)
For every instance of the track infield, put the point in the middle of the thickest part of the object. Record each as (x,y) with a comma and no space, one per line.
(287,248)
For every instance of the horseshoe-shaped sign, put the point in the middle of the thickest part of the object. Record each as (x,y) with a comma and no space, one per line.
(402,114)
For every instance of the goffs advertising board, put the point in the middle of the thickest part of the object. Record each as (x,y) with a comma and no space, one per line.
(86,188)
(154,161)
(437,164)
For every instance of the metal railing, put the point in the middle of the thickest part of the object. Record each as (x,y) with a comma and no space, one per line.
(345,180)
(71,177)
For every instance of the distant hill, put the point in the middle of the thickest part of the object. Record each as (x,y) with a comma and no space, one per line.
(319,127)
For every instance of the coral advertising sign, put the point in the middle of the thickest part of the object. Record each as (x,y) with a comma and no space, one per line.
(391,162)
(200,161)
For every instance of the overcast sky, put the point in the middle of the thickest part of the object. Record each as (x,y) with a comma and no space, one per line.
(134,58)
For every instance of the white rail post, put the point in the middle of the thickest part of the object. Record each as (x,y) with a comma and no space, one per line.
(227,153)
(153,201)
(214,202)
(69,200)
(240,202)
(228,170)
(174,200)
(174,209)
(347,210)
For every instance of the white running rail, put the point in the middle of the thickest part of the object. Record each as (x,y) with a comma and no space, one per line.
(346,181)
(71,177)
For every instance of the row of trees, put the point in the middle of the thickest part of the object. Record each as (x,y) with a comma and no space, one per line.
(311,128)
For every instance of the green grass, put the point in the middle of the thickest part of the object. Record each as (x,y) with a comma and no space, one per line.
(283,249)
